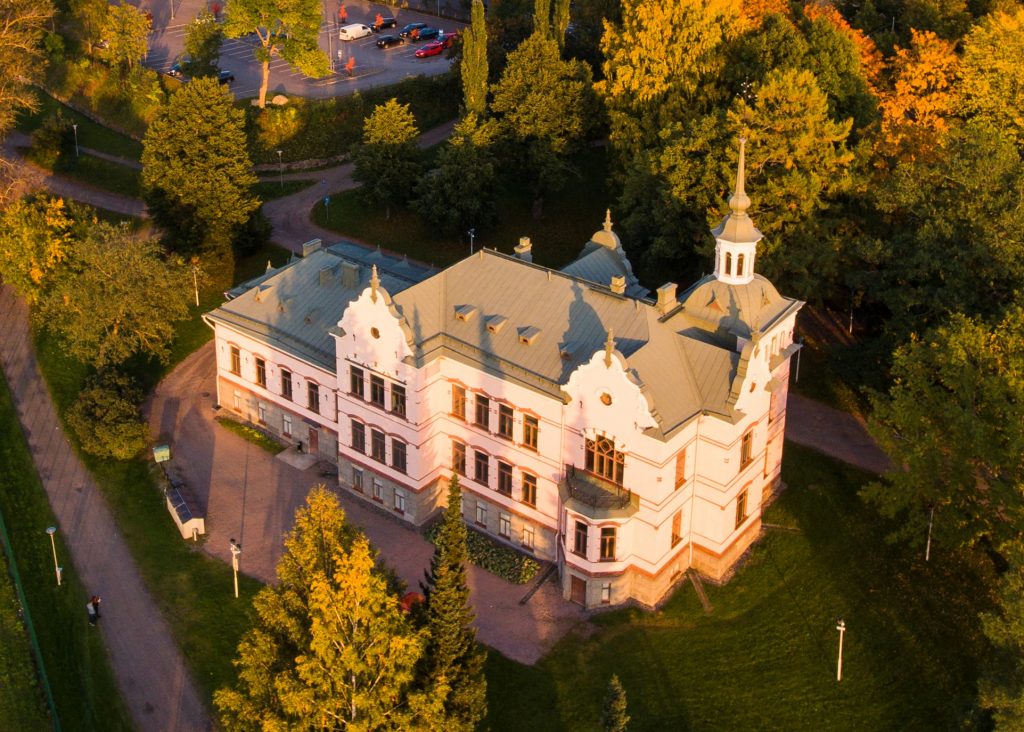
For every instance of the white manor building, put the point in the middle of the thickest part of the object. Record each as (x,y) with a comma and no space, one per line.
(624,438)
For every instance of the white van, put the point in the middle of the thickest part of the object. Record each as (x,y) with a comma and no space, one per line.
(354,32)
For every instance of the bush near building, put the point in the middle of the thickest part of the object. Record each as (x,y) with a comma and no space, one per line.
(504,561)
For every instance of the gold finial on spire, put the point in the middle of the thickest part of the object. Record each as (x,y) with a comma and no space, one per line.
(609,346)
(608,219)
(738,201)
(374,283)
(269,267)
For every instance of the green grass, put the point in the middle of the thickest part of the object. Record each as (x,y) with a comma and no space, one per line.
(269,189)
(569,219)
(90,134)
(106,175)
(251,434)
(21,701)
(765,658)
(84,689)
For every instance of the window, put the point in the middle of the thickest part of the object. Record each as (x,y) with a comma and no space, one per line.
(286,425)
(398,400)
(771,407)
(399,500)
(604,460)
(481,514)
(529,536)
(358,436)
(261,372)
(504,478)
(355,376)
(677,528)
(531,428)
(728,263)
(606,593)
(238,400)
(483,405)
(739,265)
(313,392)
(236,361)
(579,545)
(529,489)
(458,402)
(377,390)
(504,525)
(746,448)
(261,410)
(378,490)
(741,508)
(681,468)
(286,384)
(357,479)
(481,467)
(458,457)
(398,455)
(377,444)
(505,420)
(608,544)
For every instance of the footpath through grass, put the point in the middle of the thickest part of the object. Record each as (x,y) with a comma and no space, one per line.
(766,657)
(83,685)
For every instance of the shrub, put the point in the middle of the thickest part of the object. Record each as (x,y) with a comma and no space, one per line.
(105,417)
(53,144)
(496,558)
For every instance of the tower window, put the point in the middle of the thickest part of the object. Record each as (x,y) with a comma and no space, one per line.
(728,263)
(739,266)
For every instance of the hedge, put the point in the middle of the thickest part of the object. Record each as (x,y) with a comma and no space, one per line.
(495,557)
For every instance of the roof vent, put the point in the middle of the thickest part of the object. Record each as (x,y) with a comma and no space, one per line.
(349,275)
(496,322)
(313,245)
(263,292)
(284,304)
(565,353)
(528,335)
(618,285)
(465,312)
(666,297)
(326,275)
(524,249)
(311,314)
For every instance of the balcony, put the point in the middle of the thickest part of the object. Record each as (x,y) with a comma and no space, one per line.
(595,497)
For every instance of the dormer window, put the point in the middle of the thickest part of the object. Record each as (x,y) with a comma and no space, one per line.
(465,312)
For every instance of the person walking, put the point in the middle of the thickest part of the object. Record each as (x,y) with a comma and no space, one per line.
(93,608)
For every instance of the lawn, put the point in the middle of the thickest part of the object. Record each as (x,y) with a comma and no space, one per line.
(90,134)
(105,174)
(83,686)
(251,434)
(766,656)
(569,220)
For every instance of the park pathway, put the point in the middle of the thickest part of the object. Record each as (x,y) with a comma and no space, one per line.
(150,669)
(833,432)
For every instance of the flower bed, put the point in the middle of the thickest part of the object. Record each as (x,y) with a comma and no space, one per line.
(495,557)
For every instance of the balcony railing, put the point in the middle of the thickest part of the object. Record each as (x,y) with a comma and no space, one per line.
(594,490)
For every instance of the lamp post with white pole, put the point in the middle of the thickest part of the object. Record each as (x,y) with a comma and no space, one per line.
(236,549)
(75,128)
(841,627)
(51,530)
(472,235)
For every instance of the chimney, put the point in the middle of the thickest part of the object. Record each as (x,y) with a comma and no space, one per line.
(666,297)
(618,284)
(524,249)
(349,275)
(326,275)
(313,245)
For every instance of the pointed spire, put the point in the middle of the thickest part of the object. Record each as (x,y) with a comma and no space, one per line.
(374,283)
(609,347)
(269,267)
(739,202)
(608,220)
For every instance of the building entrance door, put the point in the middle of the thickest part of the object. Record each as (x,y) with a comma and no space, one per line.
(577,590)
(314,442)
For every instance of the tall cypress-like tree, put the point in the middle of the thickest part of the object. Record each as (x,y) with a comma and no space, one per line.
(560,20)
(474,67)
(452,652)
(613,716)
(388,160)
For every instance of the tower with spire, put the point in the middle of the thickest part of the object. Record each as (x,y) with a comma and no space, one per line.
(736,237)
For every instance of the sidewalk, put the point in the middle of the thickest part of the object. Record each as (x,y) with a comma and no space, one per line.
(149,668)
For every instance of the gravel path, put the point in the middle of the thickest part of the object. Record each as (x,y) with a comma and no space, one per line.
(832,432)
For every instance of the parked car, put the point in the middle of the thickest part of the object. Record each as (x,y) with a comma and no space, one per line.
(389,41)
(427,34)
(406,32)
(175,70)
(433,48)
(225,77)
(354,32)
(385,22)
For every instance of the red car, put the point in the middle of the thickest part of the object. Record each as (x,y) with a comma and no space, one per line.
(436,47)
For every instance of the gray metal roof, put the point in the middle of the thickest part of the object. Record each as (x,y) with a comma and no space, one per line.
(598,264)
(719,312)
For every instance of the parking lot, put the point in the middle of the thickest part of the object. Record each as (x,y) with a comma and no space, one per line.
(372,67)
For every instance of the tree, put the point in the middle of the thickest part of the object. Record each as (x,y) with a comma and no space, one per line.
(990,85)
(35,238)
(126,32)
(286,28)
(461,195)
(196,174)
(105,417)
(388,161)
(614,717)
(1002,684)
(330,648)
(542,17)
(115,297)
(560,20)
(953,426)
(202,45)
(452,652)
(474,67)
(22,25)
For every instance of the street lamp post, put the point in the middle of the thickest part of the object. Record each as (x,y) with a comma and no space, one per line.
(928,546)
(51,530)
(841,627)
(75,128)
(472,235)
(798,360)
(236,549)
(280,168)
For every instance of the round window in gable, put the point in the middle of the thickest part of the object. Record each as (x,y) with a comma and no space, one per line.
(606,399)
(375,333)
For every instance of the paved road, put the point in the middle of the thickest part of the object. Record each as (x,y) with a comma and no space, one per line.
(150,669)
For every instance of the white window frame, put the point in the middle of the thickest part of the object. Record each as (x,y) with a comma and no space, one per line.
(399,500)
(378,489)
(505,525)
(529,536)
(286,424)
(481,513)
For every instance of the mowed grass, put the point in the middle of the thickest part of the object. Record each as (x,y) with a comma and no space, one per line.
(569,218)
(766,656)
(90,134)
(83,685)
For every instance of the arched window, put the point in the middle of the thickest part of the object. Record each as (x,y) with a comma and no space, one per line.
(604,460)
(728,263)
(739,266)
